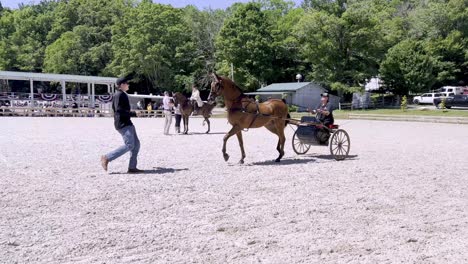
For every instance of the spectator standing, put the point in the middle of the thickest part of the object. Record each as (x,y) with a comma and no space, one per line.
(178,117)
(167,108)
(149,108)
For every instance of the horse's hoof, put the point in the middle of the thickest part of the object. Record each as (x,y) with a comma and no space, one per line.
(226,157)
(241,161)
(277,160)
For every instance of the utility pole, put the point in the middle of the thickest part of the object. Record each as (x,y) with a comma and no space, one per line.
(232,72)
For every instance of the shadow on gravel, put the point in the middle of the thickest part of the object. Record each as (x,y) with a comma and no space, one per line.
(330,157)
(283,162)
(202,133)
(155,170)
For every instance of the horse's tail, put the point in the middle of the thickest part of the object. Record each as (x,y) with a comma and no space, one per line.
(288,116)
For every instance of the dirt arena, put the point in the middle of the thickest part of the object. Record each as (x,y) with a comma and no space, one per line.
(402,196)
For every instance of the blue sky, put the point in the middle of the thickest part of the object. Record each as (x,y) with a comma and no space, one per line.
(176,3)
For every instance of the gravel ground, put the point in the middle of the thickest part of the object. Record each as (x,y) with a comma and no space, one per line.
(400,198)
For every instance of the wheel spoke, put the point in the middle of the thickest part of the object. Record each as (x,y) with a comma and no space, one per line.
(339,151)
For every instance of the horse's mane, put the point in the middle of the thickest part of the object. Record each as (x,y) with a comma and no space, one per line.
(232,83)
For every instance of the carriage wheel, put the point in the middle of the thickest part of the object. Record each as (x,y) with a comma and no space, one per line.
(299,147)
(340,144)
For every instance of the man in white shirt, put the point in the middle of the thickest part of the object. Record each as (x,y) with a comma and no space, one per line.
(167,108)
(196,97)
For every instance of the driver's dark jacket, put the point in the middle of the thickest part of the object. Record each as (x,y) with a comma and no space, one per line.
(326,120)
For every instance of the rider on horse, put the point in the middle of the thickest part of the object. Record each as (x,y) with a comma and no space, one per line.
(196,100)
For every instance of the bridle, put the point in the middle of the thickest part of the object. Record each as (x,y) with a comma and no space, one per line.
(218,88)
(216,91)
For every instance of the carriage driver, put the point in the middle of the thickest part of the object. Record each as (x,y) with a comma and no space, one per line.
(324,111)
(196,100)
(325,115)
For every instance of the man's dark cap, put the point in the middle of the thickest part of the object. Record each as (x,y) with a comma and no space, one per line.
(121,80)
(324,95)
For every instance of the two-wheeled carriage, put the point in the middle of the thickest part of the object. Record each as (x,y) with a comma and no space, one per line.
(311,132)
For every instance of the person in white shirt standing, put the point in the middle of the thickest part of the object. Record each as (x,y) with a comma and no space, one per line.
(167,106)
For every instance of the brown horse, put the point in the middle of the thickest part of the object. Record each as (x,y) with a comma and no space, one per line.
(186,110)
(245,113)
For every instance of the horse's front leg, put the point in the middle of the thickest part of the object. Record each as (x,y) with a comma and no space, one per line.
(186,129)
(241,145)
(231,132)
(184,117)
(208,122)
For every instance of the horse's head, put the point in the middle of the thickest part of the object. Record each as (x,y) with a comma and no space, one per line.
(216,88)
(177,98)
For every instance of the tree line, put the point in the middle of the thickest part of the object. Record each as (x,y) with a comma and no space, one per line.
(412,45)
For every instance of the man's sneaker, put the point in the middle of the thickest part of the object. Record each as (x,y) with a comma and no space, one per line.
(135,171)
(104,162)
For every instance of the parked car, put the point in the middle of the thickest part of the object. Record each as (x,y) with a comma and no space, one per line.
(427,98)
(458,100)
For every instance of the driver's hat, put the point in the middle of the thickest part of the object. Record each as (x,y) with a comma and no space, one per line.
(324,94)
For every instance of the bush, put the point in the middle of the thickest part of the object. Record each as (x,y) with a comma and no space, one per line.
(442,104)
(404,103)
(292,108)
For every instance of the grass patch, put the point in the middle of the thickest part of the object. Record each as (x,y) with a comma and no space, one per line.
(344,114)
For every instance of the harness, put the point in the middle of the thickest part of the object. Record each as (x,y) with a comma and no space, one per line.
(243,109)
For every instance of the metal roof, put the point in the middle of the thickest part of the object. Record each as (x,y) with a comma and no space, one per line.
(53,77)
(278,87)
(149,96)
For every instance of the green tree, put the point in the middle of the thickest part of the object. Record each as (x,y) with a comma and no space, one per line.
(63,56)
(282,18)
(204,27)
(7,57)
(23,34)
(345,44)
(81,36)
(408,68)
(245,41)
(153,41)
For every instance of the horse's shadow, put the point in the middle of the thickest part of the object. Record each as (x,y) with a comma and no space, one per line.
(202,133)
(283,162)
(330,157)
(155,170)
(310,158)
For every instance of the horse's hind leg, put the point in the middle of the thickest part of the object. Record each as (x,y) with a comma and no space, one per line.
(282,139)
(241,145)
(231,132)
(273,127)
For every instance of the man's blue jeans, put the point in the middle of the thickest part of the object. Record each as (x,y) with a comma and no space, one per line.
(132,144)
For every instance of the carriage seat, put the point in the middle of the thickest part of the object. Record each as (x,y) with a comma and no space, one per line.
(333,126)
